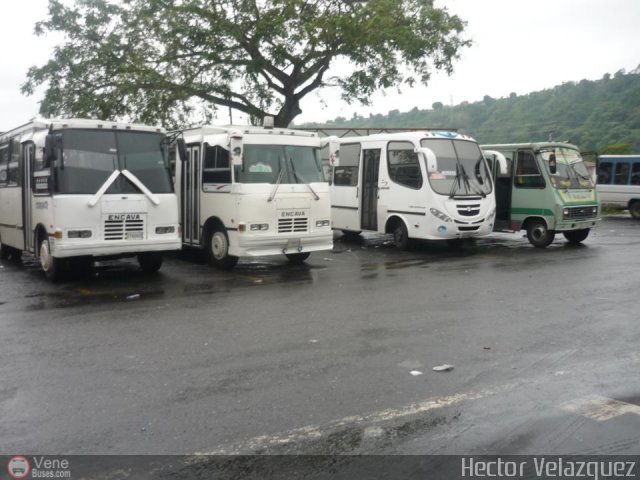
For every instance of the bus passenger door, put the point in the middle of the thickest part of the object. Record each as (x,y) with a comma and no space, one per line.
(189,196)
(345,189)
(370,170)
(28,160)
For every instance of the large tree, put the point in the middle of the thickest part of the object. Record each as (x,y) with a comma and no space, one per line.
(157,60)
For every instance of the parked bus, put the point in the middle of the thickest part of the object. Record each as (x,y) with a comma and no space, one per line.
(545,189)
(252,191)
(619,182)
(415,185)
(76,190)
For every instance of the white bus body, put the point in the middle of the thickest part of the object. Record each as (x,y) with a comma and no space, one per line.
(252,191)
(74,190)
(422,185)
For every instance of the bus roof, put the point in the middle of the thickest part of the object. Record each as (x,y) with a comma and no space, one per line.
(413,135)
(245,129)
(61,123)
(531,145)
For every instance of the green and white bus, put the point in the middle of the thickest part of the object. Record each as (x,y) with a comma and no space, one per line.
(546,190)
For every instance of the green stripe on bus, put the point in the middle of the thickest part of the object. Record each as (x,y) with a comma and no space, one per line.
(532,211)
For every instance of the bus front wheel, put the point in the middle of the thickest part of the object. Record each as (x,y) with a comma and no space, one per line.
(576,236)
(401,235)
(150,262)
(53,267)
(217,249)
(634,210)
(297,258)
(538,234)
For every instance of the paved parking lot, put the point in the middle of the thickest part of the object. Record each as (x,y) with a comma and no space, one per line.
(332,357)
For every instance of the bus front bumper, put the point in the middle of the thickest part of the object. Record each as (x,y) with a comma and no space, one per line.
(259,245)
(112,248)
(568,225)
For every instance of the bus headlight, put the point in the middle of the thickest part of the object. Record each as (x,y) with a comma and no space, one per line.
(79,234)
(259,227)
(565,212)
(440,215)
(323,223)
(164,230)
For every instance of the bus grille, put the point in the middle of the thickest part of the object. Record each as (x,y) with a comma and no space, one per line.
(124,229)
(468,210)
(293,225)
(582,212)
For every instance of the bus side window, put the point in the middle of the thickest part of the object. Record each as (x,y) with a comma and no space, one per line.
(635,174)
(4,164)
(604,172)
(216,167)
(527,172)
(403,166)
(622,173)
(347,173)
(13,172)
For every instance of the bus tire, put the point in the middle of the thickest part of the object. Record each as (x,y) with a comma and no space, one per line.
(297,258)
(538,234)
(634,209)
(217,248)
(150,262)
(400,235)
(576,236)
(52,267)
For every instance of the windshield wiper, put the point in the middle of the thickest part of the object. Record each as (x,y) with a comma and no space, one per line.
(479,179)
(275,190)
(460,172)
(298,176)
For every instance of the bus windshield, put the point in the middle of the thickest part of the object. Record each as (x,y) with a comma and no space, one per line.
(89,157)
(290,163)
(571,171)
(462,170)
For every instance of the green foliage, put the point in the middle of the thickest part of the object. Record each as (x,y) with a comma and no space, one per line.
(157,60)
(595,115)
(617,149)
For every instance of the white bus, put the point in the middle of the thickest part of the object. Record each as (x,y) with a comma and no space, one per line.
(619,182)
(252,191)
(74,190)
(423,185)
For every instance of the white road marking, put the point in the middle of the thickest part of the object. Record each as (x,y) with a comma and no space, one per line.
(316,431)
(599,408)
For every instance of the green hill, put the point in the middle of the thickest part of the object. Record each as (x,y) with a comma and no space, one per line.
(595,115)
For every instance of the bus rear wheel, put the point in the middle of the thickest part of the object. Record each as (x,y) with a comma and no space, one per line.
(297,258)
(538,234)
(150,262)
(52,267)
(634,209)
(576,236)
(217,248)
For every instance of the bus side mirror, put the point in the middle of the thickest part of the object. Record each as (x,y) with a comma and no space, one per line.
(235,145)
(429,158)
(182,149)
(50,150)
(333,144)
(553,165)
(500,158)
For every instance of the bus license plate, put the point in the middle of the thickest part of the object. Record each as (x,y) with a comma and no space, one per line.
(133,235)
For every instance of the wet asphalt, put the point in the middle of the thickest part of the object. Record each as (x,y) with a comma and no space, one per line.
(335,356)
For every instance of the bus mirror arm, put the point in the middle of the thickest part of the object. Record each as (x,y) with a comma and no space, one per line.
(500,158)
(334,150)
(429,157)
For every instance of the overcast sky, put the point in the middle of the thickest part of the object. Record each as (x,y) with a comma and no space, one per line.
(518,46)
